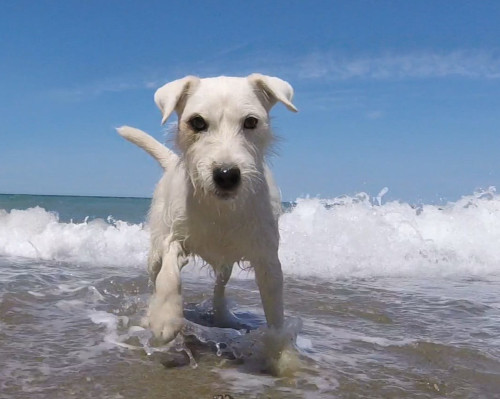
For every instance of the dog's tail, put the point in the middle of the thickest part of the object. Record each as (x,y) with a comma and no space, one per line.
(153,147)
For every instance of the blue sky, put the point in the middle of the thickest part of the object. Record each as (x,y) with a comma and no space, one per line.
(397,94)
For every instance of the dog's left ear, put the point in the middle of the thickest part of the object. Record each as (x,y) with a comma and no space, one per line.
(170,96)
(274,90)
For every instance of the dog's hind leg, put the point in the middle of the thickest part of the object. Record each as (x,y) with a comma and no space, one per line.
(223,274)
(165,316)
(223,317)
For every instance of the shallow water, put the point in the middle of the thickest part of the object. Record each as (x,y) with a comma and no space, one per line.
(66,332)
(72,296)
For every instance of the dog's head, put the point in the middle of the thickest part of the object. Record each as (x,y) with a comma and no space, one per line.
(223,128)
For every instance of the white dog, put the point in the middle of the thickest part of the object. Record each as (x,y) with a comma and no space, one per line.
(217,199)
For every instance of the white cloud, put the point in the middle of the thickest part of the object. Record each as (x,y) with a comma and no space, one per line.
(418,65)
(374,115)
(328,65)
(94,89)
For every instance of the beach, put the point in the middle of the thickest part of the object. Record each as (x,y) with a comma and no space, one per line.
(382,299)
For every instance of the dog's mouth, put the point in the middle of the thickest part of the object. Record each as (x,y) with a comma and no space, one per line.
(225,195)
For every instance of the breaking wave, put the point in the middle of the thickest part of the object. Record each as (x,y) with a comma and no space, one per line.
(330,238)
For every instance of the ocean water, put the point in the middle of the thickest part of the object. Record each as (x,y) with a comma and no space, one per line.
(383,300)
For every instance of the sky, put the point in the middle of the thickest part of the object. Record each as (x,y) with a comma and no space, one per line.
(396,94)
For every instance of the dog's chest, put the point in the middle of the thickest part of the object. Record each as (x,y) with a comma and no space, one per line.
(221,239)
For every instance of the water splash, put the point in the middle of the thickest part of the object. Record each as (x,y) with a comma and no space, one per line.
(351,236)
(326,238)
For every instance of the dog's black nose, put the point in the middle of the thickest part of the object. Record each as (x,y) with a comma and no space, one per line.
(227,177)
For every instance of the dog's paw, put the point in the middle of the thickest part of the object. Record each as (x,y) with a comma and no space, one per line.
(227,319)
(167,329)
(165,319)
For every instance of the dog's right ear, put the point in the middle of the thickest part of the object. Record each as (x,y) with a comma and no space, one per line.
(171,95)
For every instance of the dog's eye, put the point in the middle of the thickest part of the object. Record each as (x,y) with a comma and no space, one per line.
(198,123)
(250,122)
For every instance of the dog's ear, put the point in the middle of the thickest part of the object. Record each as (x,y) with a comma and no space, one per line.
(273,90)
(170,96)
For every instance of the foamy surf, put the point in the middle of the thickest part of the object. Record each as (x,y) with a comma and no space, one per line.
(38,234)
(341,237)
(353,236)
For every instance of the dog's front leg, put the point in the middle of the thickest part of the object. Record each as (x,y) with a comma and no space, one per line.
(270,281)
(166,311)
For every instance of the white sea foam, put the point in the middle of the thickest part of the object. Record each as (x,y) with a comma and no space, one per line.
(38,234)
(340,237)
(351,236)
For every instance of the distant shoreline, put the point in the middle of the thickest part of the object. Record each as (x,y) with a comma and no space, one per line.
(73,196)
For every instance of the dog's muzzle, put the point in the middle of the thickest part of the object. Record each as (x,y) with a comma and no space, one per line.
(227,178)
